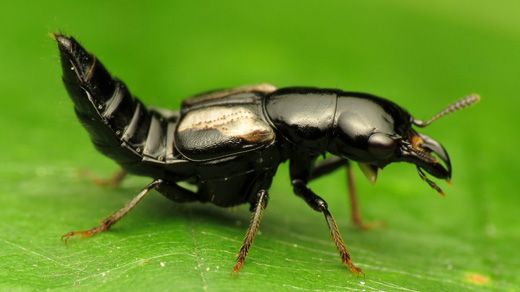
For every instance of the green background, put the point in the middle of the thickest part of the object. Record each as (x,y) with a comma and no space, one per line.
(421,54)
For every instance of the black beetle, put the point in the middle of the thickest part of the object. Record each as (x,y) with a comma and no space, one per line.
(230,142)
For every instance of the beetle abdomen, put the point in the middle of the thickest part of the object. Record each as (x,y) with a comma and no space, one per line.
(112,116)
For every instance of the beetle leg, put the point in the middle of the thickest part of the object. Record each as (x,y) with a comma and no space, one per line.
(327,166)
(331,164)
(357,218)
(318,204)
(261,202)
(111,220)
(114,181)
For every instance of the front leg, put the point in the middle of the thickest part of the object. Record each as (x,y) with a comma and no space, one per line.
(300,175)
(331,164)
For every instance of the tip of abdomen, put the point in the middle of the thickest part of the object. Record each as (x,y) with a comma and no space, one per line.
(77,63)
(88,82)
(63,41)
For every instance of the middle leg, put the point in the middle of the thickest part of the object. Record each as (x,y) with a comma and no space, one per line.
(258,208)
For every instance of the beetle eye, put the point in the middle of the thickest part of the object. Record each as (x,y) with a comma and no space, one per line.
(381,146)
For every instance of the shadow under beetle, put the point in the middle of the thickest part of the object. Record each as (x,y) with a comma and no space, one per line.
(230,142)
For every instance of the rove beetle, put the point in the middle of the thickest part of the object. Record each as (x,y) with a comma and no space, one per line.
(229,143)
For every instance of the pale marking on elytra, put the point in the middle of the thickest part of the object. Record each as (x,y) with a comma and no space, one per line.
(229,121)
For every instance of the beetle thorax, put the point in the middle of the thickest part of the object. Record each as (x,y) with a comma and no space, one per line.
(361,118)
(303,118)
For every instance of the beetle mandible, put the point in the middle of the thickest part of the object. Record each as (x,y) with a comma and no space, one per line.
(229,143)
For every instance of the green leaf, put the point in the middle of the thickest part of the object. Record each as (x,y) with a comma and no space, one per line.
(421,55)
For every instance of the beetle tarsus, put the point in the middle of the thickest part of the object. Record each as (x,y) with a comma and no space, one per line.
(115,180)
(318,204)
(114,218)
(340,245)
(357,218)
(261,202)
(86,233)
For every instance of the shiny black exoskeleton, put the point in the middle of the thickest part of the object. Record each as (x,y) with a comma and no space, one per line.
(229,143)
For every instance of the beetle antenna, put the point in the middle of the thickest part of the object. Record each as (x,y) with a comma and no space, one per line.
(456,106)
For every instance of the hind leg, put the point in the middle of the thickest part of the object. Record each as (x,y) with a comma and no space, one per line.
(168,189)
(114,218)
(113,181)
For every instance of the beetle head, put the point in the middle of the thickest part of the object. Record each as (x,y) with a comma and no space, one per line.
(376,132)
